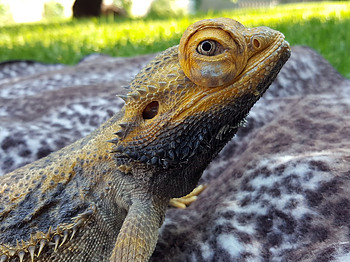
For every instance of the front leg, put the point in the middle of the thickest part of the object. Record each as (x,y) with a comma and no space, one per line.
(139,233)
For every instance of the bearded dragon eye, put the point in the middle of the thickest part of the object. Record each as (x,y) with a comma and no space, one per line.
(151,110)
(207,47)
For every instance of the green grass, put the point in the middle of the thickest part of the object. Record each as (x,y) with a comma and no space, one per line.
(324,26)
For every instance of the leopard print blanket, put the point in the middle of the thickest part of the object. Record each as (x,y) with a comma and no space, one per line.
(279,191)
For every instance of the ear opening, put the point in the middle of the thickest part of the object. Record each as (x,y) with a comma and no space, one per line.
(151,110)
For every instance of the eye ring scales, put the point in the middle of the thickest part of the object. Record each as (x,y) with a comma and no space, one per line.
(214,55)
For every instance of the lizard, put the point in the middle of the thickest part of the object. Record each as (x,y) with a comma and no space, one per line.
(104,197)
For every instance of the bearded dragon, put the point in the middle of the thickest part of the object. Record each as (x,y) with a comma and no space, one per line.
(104,197)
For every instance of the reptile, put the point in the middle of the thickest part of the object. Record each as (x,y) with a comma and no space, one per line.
(104,197)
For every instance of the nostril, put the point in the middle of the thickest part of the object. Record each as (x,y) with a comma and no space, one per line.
(151,110)
(256,43)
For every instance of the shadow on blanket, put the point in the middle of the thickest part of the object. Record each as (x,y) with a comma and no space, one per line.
(279,191)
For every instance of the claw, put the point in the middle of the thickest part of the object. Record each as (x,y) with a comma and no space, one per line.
(57,240)
(185,201)
(21,255)
(74,231)
(65,236)
(31,250)
(42,245)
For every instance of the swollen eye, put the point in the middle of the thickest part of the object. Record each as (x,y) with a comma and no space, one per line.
(206,47)
(151,110)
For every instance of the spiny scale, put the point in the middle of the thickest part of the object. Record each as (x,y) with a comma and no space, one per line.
(135,96)
(142,91)
(49,232)
(124,97)
(113,141)
(123,125)
(151,88)
(120,133)
(118,149)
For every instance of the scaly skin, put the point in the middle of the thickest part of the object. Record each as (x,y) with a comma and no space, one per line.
(103,198)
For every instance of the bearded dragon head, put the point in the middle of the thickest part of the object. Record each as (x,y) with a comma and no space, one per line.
(187,103)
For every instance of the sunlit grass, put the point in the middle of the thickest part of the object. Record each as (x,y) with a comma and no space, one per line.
(325,26)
